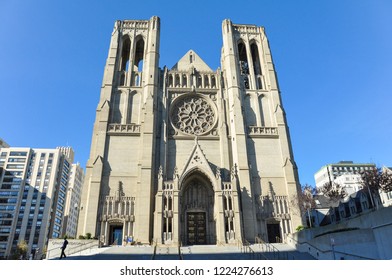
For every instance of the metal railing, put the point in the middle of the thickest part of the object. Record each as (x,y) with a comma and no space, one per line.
(329,251)
(180,256)
(154,252)
(246,248)
(72,250)
(271,251)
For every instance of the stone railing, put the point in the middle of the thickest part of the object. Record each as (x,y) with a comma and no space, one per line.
(123,129)
(262,131)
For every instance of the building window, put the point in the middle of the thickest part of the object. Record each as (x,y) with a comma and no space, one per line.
(18,154)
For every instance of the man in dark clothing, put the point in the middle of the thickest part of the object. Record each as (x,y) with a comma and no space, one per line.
(65,243)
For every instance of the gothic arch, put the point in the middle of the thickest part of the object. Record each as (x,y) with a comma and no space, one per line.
(242,54)
(139,53)
(202,172)
(125,51)
(197,210)
(255,57)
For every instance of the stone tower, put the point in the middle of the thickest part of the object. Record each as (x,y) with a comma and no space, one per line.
(189,155)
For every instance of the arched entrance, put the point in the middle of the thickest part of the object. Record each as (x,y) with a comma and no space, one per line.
(115,231)
(197,208)
(273,231)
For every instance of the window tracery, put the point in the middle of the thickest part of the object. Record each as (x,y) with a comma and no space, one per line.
(193,115)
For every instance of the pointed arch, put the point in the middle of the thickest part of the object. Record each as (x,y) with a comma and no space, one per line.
(255,57)
(243,62)
(125,57)
(196,170)
(242,55)
(139,54)
(256,64)
(125,51)
(197,206)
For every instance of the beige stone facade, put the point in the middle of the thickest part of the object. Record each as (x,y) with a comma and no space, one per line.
(189,155)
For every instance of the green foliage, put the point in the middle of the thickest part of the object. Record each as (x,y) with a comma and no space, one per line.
(88,235)
(300,227)
(20,251)
(81,237)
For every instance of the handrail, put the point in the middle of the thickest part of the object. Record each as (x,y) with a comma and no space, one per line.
(329,250)
(247,249)
(277,254)
(80,248)
(154,252)
(73,250)
(181,257)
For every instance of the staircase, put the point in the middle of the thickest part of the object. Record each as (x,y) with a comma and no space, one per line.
(265,251)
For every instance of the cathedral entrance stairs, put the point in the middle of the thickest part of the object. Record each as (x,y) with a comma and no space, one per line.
(166,253)
(279,251)
(276,251)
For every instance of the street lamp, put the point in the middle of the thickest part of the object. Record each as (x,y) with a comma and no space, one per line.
(307,206)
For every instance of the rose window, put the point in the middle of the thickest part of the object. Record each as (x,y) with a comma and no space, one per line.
(193,115)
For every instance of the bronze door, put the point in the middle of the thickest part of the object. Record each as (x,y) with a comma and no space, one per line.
(196,228)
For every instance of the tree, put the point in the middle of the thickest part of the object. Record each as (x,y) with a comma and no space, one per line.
(333,191)
(306,201)
(375,180)
(20,251)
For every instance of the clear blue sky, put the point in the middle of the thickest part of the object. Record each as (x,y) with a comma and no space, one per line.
(333,59)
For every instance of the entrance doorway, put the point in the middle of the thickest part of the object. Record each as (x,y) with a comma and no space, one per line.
(197,203)
(116,233)
(274,233)
(196,228)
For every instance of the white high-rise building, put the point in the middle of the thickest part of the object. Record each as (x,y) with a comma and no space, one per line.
(33,193)
(71,215)
(344,173)
(386,197)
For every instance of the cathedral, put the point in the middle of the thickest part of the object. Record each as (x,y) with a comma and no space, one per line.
(189,155)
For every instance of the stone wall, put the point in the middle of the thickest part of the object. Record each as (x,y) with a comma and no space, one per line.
(364,237)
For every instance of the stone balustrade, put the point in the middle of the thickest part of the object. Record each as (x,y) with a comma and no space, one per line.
(124,129)
(262,131)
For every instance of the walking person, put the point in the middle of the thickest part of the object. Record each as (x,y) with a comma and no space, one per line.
(65,243)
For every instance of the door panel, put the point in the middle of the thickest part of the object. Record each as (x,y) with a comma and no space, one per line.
(196,228)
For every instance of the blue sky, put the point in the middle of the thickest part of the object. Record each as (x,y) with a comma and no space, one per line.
(333,60)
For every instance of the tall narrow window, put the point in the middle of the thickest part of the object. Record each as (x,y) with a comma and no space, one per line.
(125,54)
(171,83)
(177,80)
(244,66)
(184,80)
(213,81)
(206,81)
(243,60)
(255,59)
(139,55)
(124,67)
(256,65)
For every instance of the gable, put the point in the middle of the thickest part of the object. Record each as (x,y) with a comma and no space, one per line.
(191,60)
(198,161)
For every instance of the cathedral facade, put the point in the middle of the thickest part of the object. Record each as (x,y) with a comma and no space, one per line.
(189,155)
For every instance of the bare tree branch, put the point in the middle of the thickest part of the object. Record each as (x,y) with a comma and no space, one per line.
(333,191)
